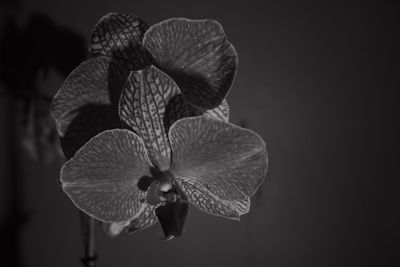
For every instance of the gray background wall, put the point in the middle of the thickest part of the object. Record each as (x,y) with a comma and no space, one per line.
(318,82)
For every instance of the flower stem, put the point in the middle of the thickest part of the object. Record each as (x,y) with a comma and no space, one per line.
(88,236)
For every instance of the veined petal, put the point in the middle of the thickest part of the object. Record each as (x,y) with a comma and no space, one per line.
(220,113)
(143,220)
(149,101)
(101,179)
(119,36)
(146,219)
(206,201)
(196,54)
(87,102)
(229,161)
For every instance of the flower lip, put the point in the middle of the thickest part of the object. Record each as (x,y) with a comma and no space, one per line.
(172,208)
(172,217)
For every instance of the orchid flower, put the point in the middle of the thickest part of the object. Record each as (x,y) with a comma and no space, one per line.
(194,53)
(143,123)
(127,178)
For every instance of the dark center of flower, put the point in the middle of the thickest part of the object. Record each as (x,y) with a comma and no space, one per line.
(163,189)
(172,210)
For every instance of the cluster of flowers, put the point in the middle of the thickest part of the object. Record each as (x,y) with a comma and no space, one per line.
(144,125)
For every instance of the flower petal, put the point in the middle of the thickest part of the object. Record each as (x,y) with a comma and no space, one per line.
(229,161)
(146,219)
(87,102)
(220,113)
(149,101)
(210,203)
(119,36)
(142,221)
(196,54)
(101,179)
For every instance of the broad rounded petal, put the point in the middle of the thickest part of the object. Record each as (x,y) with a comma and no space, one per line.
(87,102)
(206,201)
(146,219)
(148,103)
(101,179)
(119,36)
(196,54)
(229,161)
(220,113)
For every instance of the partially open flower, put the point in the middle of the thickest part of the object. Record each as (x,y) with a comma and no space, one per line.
(194,53)
(127,178)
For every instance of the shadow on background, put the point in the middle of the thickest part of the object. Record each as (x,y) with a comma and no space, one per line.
(27,54)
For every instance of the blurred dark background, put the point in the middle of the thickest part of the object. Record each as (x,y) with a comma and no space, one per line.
(317,80)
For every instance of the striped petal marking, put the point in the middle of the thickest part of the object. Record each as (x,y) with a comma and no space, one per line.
(87,102)
(119,36)
(149,103)
(101,179)
(146,219)
(206,201)
(220,113)
(196,54)
(229,161)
